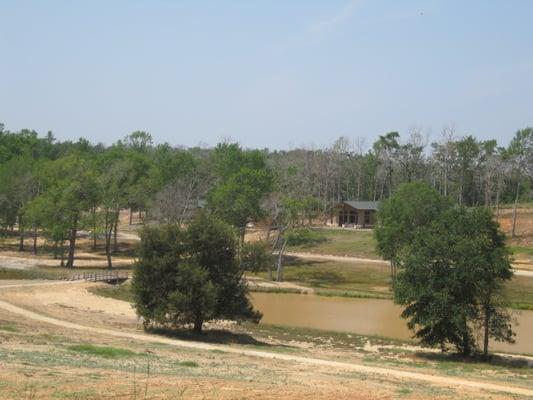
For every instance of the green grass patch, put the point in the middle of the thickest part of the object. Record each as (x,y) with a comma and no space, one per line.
(261,289)
(189,364)
(335,278)
(306,237)
(404,391)
(102,351)
(342,242)
(353,294)
(522,250)
(519,293)
(33,273)
(8,328)
(118,292)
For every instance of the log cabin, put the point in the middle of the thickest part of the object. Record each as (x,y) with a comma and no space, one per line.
(357,214)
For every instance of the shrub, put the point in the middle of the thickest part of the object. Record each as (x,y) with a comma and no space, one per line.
(305,237)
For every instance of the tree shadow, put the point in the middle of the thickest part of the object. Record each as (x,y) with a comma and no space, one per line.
(215,336)
(514,361)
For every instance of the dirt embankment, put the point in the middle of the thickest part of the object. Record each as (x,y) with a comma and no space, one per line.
(70,306)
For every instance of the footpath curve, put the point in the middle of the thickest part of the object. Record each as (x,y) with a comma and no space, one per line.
(433,379)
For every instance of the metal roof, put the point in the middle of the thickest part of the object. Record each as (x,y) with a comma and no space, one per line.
(362,205)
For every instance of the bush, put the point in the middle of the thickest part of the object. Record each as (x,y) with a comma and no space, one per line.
(256,257)
(305,237)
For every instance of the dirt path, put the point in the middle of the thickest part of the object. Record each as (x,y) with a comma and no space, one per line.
(82,260)
(432,379)
(328,257)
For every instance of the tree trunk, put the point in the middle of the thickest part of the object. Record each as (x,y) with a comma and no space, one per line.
(279,272)
(55,249)
(466,341)
(108,251)
(21,234)
(131,216)
(62,253)
(108,232)
(486,333)
(72,242)
(94,228)
(35,240)
(115,229)
(198,322)
(514,209)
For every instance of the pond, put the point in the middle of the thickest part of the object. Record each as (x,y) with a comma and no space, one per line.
(362,316)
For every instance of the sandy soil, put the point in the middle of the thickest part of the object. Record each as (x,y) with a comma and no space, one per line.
(74,308)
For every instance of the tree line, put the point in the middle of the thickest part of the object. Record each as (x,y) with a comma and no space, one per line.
(54,189)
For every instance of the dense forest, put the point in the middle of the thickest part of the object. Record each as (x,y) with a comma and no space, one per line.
(55,189)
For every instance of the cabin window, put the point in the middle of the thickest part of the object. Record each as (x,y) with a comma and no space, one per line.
(367,217)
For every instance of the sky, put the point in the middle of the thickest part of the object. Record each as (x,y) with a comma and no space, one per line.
(276,74)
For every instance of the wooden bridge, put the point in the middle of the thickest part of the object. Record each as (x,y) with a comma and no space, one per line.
(107,276)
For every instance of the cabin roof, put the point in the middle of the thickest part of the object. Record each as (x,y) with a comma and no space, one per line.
(362,205)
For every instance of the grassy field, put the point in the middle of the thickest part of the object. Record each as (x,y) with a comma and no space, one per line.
(520,293)
(329,278)
(361,243)
(333,278)
(343,242)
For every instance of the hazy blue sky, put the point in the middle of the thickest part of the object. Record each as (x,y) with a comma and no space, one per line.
(265,73)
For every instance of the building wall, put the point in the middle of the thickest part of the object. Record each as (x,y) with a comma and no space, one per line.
(352,216)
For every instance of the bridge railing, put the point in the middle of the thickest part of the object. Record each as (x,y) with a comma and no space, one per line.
(107,276)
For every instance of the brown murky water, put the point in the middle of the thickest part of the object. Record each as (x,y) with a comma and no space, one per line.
(362,316)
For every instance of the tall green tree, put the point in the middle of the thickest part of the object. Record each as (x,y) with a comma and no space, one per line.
(71,183)
(454,263)
(413,205)
(520,155)
(187,277)
(238,200)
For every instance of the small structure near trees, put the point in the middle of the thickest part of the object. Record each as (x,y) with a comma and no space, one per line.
(357,214)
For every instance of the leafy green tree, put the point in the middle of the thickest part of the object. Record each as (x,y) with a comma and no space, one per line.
(190,276)
(113,184)
(412,206)
(18,186)
(71,183)
(255,257)
(454,263)
(238,200)
(54,224)
(520,154)
(386,149)
(194,299)
(286,218)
